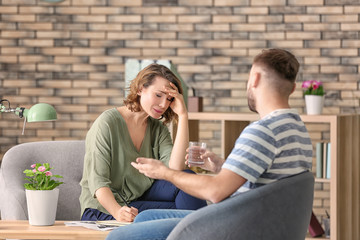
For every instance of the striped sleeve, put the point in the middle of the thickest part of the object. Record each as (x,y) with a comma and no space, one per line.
(253,152)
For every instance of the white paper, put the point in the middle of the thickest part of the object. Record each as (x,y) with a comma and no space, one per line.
(97,225)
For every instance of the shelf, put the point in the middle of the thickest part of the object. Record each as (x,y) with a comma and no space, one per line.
(345,165)
(322,180)
(308,237)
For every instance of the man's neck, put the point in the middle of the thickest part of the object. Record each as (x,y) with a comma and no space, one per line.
(263,111)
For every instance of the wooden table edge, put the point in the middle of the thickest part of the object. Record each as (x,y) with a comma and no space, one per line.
(20,229)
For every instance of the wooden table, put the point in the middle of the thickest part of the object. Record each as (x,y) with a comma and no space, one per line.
(20,229)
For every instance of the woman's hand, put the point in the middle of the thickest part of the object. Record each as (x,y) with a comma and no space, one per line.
(122,214)
(126,214)
(212,162)
(178,103)
(181,140)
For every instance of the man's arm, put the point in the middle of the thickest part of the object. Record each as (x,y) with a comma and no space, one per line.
(213,188)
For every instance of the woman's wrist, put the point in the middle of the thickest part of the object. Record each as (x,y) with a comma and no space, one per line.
(183,116)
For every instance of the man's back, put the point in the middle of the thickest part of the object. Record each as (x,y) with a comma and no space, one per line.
(270,149)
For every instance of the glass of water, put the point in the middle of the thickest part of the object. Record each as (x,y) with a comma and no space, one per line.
(196,149)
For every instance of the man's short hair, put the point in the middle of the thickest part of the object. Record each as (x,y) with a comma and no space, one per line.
(281,61)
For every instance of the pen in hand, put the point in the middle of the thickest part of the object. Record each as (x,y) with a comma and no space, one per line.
(122,198)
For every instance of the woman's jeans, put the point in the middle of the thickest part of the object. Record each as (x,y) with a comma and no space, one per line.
(161,195)
(155,224)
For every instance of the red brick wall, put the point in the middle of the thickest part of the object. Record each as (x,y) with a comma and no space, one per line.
(72,55)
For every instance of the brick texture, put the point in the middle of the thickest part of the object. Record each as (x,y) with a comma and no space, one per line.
(72,55)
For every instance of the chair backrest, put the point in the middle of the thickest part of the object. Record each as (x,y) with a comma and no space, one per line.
(66,158)
(280,210)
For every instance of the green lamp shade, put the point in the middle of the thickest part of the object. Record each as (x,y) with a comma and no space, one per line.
(41,112)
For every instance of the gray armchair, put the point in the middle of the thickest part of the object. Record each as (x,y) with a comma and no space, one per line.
(66,157)
(277,211)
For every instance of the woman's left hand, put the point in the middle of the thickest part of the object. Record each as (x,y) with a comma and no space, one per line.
(178,103)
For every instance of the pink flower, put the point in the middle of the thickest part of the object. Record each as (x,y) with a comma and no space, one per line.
(316,84)
(306,84)
(41,168)
(313,87)
(40,177)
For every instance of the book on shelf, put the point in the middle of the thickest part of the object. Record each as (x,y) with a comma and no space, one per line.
(328,162)
(323,160)
(315,228)
(319,159)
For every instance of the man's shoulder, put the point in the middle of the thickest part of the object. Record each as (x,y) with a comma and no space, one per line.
(280,117)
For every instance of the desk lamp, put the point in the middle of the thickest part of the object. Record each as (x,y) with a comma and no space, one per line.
(38,113)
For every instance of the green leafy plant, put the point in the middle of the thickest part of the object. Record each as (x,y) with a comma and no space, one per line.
(40,176)
(313,87)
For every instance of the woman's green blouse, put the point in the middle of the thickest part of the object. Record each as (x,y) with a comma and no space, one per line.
(109,152)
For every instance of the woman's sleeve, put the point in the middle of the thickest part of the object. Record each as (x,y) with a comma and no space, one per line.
(98,157)
(165,145)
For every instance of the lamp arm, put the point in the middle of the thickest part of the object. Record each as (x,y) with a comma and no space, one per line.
(2,107)
(20,111)
(17,111)
(38,113)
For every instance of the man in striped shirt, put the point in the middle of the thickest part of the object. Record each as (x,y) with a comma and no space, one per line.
(275,147)
(272,148)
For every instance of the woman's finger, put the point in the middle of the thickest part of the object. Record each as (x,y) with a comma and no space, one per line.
(174,86)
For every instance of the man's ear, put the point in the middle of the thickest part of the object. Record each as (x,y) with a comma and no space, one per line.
(256,80)
(294,87)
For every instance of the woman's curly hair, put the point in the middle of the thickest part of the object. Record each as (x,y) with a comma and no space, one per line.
(143,80)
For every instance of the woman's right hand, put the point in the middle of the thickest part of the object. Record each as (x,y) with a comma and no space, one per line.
(122,214)
(126,214)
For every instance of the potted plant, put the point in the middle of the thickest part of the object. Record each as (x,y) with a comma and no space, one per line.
(41,194)
(314,96)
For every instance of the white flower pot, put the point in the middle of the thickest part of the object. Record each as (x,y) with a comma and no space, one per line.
(42,205)
(314,104)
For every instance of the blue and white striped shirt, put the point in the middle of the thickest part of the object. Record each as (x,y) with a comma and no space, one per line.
(272,148)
